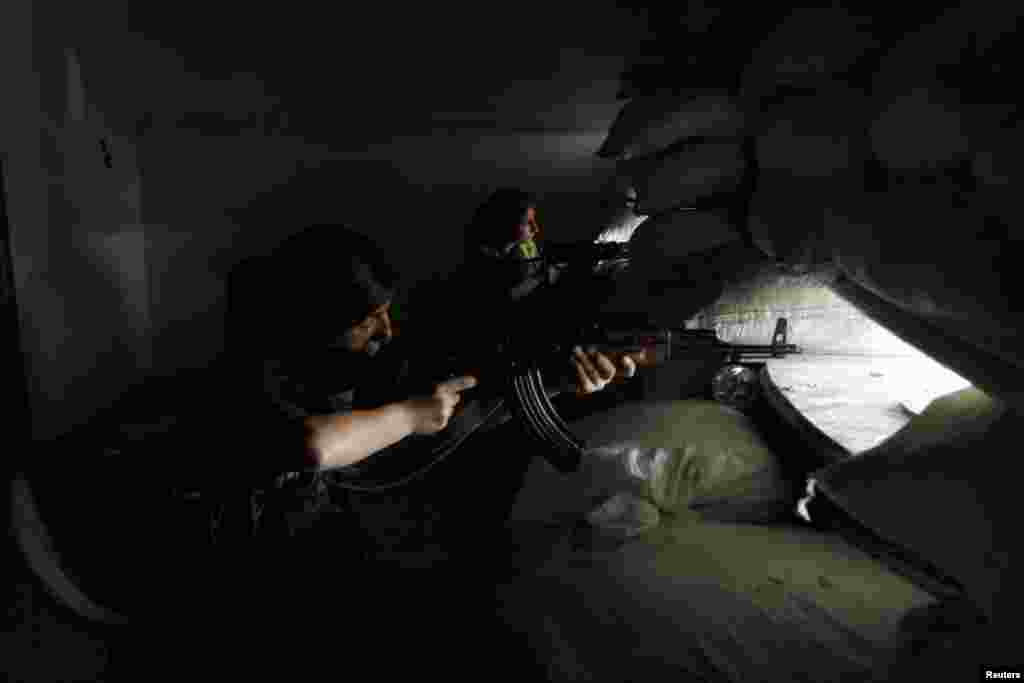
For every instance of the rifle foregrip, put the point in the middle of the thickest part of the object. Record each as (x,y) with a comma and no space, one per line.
(648,347)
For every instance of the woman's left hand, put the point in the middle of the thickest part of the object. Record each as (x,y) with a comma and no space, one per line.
(595,371)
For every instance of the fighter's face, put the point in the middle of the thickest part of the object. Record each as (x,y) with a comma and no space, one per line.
(528,228)
(371,334)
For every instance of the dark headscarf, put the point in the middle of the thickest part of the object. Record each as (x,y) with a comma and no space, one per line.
(498,276)
(495,221)
(309,290)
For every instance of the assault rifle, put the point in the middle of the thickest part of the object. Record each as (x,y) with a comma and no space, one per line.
(648,345)
(517,374)
(523,353)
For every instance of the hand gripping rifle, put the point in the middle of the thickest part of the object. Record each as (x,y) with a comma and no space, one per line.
(648,345)
(518,363)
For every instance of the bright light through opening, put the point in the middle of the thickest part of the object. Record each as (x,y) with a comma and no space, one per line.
(925,381)
(620,229)
(860,401)
(855,380)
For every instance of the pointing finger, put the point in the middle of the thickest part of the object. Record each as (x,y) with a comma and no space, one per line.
(458,384)
(587,366)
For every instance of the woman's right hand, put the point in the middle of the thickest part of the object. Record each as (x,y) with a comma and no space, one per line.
(430,414)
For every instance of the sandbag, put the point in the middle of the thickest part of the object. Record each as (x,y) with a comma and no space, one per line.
(786,216)
(972,46)
(932,251)
(947,89)
(692,171)
(651,123)
(943,489)
(671,237)
(813,135)
(690,456)
(810,149)
(996,165)
(624,515)
(921,129)
(660,293)
(807,48)
(670,288)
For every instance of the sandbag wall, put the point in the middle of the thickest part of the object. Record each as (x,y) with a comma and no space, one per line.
(683,157)
(883,146)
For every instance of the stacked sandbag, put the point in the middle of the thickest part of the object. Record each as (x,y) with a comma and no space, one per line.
(650,123)
(811,134)
(904,180)
(935,230)
(679,151)
(885,145)
(676,149)
(809,150)
(810,47)
(946,89)
(684,174)
(679,234)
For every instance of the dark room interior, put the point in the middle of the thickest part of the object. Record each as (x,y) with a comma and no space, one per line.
(789,230)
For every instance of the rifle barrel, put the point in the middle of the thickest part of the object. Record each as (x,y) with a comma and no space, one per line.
(663,344)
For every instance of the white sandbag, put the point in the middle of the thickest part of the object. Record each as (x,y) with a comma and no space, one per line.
(943,489)
(651,123)
(687,455)
(624,515)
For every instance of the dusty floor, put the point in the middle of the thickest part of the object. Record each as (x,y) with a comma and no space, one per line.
(699,600)
(857,400)
(42,640)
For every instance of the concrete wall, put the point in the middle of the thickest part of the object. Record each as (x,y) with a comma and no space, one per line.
(819,320)
(78,248)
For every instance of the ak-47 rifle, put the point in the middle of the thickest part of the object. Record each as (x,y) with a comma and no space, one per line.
(517,367)
(648,345)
